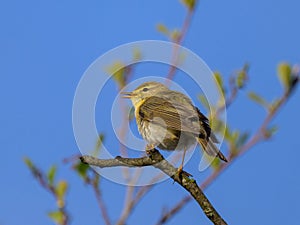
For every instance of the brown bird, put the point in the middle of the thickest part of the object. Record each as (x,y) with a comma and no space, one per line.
(168,120)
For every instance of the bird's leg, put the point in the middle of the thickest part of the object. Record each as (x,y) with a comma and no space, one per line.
(180,168)
(149,148)
(180,171)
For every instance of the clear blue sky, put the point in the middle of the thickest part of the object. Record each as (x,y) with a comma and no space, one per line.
(45,46)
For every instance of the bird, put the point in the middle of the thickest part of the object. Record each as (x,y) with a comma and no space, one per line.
(167,119)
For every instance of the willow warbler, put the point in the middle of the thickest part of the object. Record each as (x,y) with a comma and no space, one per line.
(168,120)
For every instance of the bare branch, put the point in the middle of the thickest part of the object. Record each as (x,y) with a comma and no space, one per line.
(129,204)
(179,40)
(103,209)
(157,160)
(165,217)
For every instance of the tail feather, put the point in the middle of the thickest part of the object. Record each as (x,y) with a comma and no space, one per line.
(211,149)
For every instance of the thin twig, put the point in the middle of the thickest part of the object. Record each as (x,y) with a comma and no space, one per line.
(103,209)
(122,133)
(165,217)
(256,138)
(229,100)
(133,201)
(128,205)
(42,179)
(178,41)
(259,136)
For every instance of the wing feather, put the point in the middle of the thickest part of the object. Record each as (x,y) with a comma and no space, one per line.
(174,115)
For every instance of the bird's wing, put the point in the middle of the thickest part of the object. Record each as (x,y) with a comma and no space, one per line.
(206,126)
(175,116)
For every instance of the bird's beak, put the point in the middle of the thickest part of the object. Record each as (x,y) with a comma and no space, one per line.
(126,94)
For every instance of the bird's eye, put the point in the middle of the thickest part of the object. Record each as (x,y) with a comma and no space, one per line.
(145,89)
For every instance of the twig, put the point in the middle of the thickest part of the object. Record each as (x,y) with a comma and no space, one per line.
(103,209)
(42,179)
(178,41)
(165,217)
(157,160)
(229,100)
(122,134)
(132,202)
(260,135)
(257,137)
(94,182)
(128,206)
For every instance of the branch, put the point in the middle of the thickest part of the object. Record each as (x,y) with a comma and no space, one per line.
(63,217)
(179,40)
(166,216)
(259,135)
(156,160)
(256,138)
(103,209)
(93,181)
(128,205)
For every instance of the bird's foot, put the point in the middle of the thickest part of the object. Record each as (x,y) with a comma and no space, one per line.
(180,172)
(149,148)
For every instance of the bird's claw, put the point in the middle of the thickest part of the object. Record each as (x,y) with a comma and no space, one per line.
(180,172)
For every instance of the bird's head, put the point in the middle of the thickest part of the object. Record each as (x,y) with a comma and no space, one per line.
(144,91)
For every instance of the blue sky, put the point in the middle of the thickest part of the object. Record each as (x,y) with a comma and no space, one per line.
(47,46)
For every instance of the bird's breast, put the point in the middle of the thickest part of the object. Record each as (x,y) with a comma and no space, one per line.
(162,137)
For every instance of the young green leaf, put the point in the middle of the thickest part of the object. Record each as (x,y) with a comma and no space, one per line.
(227,133)
(242,77)
(118,72)
(163,29)
(137,55)
(51,174)
(175,35)
(274,105)
(61,189)
(284,72)
(271,131)
(33,169)
(29,163)
(217,125)
(234,137)
(82,169)
(98,146)
(256,98)
(220,83)
(215,164)
(203,101)
(190,4)
(56,216)
(242,139)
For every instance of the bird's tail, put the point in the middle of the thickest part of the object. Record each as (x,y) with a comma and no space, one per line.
(211,149)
